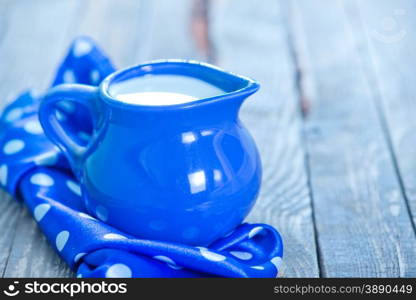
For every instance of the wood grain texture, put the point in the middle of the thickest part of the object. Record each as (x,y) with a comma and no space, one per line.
(10,209)
(168,31)
(389,56)
(31,255)
(354,62)
(362,222)
(250,38)
(114,27)
(120,28)
(10,213)
(31,44)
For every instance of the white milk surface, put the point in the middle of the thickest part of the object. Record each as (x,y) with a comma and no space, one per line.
(158,90)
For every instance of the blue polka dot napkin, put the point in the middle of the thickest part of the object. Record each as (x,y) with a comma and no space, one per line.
(34,171)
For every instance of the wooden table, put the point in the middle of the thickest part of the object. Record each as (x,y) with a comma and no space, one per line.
(335,119)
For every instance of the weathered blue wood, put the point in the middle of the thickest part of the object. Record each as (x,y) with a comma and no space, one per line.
(168,32)
(120,28)
(9,208)
(363,228)
(249,37)
(390,60)
(10,213)
(29,48)
(116,26)
(30,45)
(56,24)
(31,255)
(361,214)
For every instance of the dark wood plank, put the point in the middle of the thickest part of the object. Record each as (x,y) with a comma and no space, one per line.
(250,38)
(390,60)
(362,225)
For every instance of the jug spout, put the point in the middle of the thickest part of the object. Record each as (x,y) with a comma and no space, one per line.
(226,91)
(224,107)
(234,88)
(235,94)
(194,83)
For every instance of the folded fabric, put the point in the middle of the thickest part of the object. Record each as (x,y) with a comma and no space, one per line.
(33,170)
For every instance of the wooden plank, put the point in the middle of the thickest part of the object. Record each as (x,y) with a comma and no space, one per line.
(10,209)
(120,30)
(10,213)
(250,38)
(32,44)
(32,255)
(390,60)
(114,27)
(4,12)
(168,24)
(29,48)
(362,226)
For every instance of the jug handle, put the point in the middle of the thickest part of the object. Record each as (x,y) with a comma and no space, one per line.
(80,94)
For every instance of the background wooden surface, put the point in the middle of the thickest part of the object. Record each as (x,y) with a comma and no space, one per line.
(334,120)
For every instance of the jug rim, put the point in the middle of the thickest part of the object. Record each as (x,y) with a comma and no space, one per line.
(243,86)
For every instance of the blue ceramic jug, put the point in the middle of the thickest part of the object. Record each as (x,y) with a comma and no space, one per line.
(186,172)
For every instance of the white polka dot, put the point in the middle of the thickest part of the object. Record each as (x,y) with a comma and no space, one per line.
(255,231)
(257,267)
(94,76)
(40,211)
(74,187)
(168,261)
(33,127)
(82,48)
(78,256)
(212,256)
(3,175)
(114,236)
(276,261)
(102,213)
(61,239)
(86,216)
(46,159)
(13,146)
(69,77)
(42,179)
(14,114)
(242,255)
(79,275)
(118,271)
